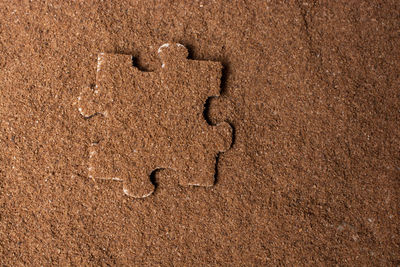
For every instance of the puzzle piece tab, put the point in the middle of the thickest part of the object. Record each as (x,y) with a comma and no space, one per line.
(154,120)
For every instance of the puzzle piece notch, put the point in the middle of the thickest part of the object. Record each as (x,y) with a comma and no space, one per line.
(188,175)
(94,101)
(189,145)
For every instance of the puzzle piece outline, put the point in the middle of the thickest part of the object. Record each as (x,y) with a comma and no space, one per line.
(101,101)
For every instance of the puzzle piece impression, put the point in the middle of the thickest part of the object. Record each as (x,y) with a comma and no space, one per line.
(154,120)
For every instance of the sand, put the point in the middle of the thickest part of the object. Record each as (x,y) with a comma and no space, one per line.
(312,178)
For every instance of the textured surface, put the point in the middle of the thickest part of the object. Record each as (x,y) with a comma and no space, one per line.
(310,88)
(154,120)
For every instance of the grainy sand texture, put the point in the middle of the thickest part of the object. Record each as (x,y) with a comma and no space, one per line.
(310,89)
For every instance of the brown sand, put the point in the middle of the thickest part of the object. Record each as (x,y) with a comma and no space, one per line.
(311,89)
(152,121)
